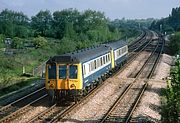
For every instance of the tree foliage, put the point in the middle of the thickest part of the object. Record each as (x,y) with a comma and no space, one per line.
(175,43)
(168,24)
(14,24)
(68,24)
(42,23)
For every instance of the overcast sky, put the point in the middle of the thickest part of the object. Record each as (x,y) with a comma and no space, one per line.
(113,9)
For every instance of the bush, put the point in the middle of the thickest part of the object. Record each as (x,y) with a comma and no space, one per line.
(17,43)
(2,37)
(40,42)
(66,45)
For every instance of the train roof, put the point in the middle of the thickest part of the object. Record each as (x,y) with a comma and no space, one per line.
(117,44)
(80,55)
(87,54)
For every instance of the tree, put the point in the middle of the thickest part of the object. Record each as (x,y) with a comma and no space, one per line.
(69,31)
(42,23)
(11,22)
(91,20)
(6,28)
(62,18)
(171,23)
(175,43)
(66,45)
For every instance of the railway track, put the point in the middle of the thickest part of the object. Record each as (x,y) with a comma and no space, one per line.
(52,114)
(124,106)
(55,113)
(14,109)
(139,39)
(137,51)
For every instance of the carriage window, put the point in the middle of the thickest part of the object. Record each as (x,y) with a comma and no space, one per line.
(124,50)
(109,57)
(89,67)
(84,69)
(120,51)
(101,61)
(98,63)
(104,60)
(95,64)
(52,71)
(73,72)
(62,72)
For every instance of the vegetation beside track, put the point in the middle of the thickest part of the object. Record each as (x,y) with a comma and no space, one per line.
(175,43)
(171,101)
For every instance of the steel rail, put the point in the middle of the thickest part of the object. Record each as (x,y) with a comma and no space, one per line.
(62,114)
(21,110)
(129,87)
(134,56)
(68,109)
(146,84)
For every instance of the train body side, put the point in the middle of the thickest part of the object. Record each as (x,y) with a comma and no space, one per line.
(119,52)
(95,68)
(76,71)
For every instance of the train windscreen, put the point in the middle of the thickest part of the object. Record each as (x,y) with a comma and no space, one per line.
(62,72)
(73,72)
(52,71)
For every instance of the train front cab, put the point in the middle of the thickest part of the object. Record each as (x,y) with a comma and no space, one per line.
(63,79)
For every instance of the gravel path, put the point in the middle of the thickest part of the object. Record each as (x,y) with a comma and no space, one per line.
(149,107)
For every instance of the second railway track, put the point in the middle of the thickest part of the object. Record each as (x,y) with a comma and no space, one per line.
(15,108)
(124,106)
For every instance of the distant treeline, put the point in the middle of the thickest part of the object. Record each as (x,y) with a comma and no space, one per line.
(169,24)
(70,23)
(87,25)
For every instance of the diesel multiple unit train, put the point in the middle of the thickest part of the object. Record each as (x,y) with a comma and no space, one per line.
(74,73)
